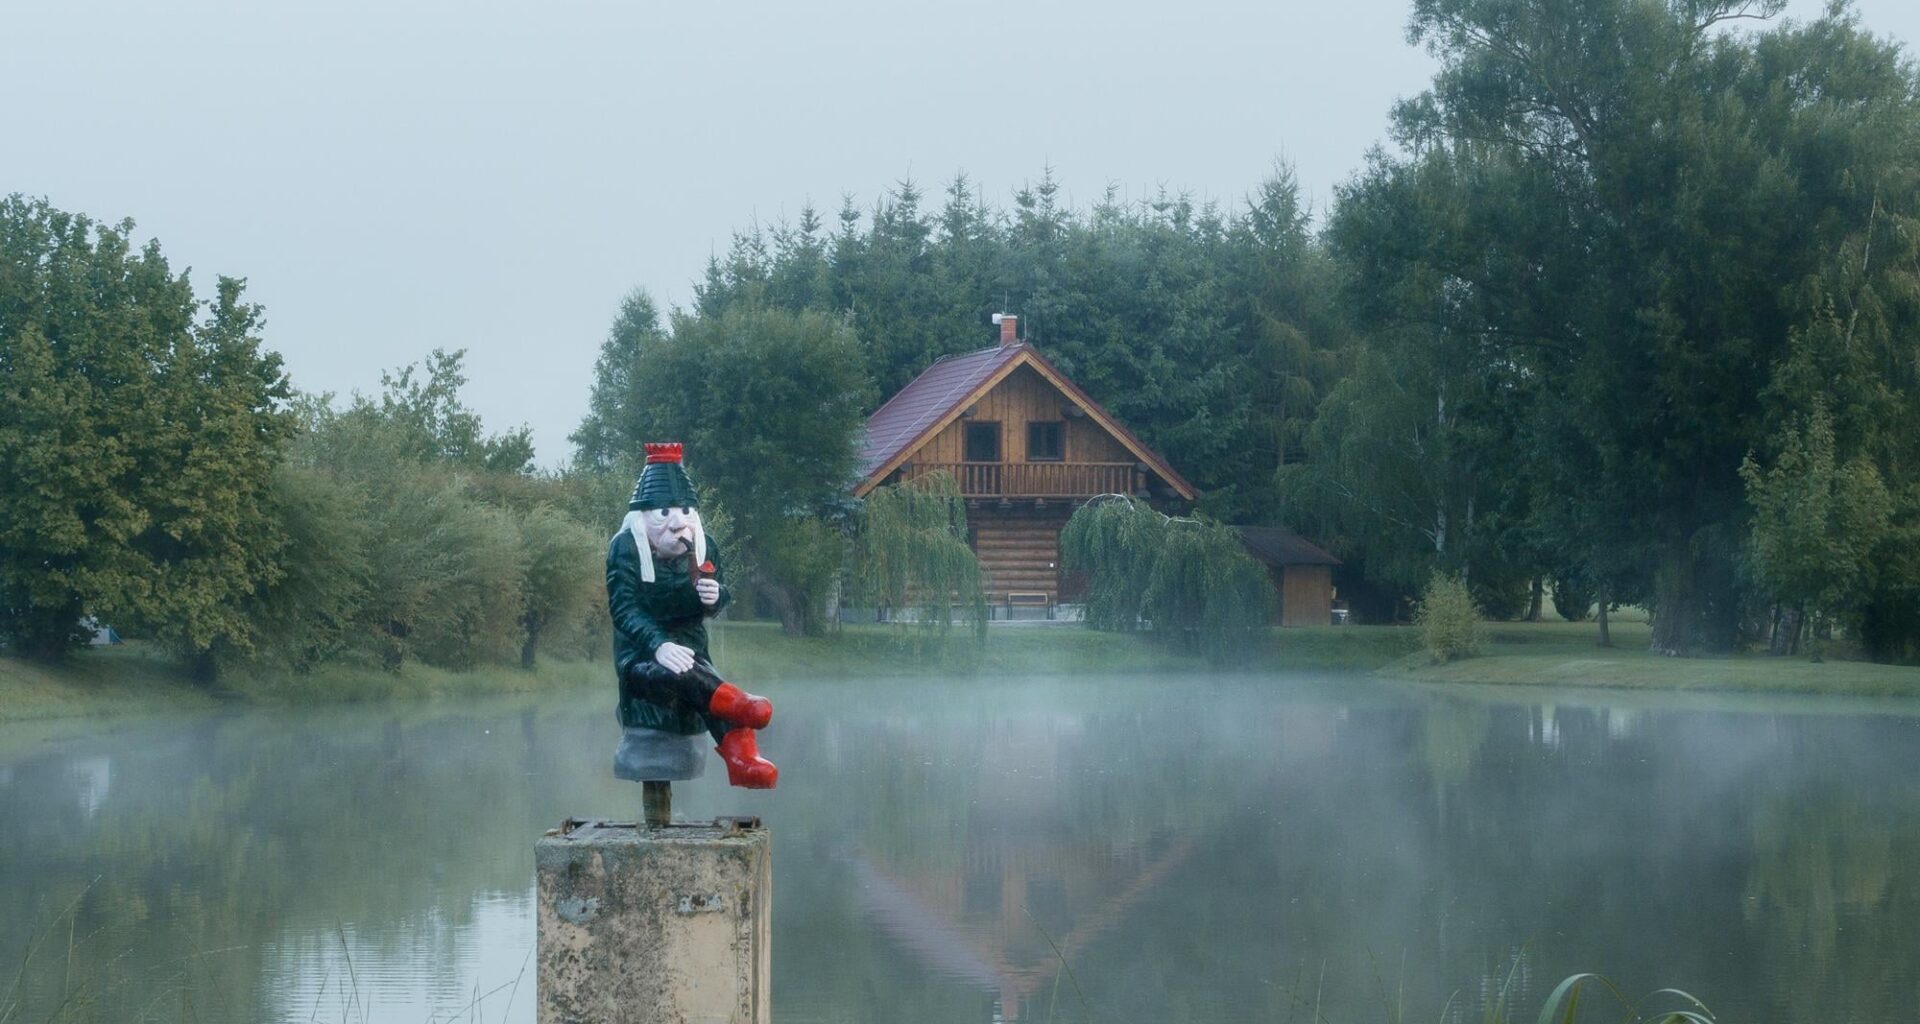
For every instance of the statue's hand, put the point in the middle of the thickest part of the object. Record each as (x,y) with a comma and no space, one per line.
(709,591)
(673,657)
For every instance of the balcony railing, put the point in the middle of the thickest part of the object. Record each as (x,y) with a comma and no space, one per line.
(1034,479)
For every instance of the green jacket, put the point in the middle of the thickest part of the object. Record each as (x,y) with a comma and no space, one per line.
(646,615)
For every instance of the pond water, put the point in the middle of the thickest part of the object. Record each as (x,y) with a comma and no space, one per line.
(1196,850)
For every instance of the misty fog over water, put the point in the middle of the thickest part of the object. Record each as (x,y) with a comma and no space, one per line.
(1198,850)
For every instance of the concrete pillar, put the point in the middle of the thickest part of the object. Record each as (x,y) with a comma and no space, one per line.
(643,925)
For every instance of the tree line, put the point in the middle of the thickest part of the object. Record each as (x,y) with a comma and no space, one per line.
(1624,250)
(1214,333)
(1626,313)
(158,472)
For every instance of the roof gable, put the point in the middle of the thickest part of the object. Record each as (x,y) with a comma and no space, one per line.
(917,411)
(935,398)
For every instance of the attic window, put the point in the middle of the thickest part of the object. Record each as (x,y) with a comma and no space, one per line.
(983,442)
(1046,441)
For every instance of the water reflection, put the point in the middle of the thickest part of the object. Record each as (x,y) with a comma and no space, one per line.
(1216,850)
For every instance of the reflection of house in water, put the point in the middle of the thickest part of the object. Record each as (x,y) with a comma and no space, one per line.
(1017,912)
(93,780)
(1000,861)
(1046,834)
(1622,724)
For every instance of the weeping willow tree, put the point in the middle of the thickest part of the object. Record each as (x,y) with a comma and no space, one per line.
(1188,580)
(910,553)
(1115,541)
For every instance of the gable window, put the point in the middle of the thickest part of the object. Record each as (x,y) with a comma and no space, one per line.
(1046,442)
(983,442)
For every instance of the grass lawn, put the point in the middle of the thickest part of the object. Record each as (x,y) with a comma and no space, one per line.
(1563,654)
(135,678)
(130,679)
(758,650)
(1338,648)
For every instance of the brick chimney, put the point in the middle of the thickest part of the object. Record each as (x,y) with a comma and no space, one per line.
(1009,328)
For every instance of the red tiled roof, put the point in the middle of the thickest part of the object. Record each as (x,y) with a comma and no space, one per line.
(918,406)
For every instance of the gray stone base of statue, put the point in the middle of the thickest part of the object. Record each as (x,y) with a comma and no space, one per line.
(654,925)
(649,755)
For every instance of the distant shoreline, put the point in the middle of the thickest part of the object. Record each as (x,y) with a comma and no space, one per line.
(140,679)
(1521,659)
(1529,656)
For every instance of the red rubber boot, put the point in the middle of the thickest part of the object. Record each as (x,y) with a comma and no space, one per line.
(735,706)
(745,767)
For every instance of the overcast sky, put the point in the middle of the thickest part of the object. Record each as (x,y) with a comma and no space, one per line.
(396,176)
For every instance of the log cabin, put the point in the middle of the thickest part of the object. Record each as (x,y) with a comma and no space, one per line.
(1026,447)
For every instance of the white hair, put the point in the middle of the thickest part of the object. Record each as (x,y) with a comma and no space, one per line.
(635,524)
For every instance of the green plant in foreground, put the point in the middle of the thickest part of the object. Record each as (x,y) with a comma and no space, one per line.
(1563,1006)
(1449,622)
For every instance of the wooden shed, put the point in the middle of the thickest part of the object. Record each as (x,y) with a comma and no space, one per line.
(1026,447)
(1302,574)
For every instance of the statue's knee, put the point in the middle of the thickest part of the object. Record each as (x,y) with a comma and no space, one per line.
(647,681)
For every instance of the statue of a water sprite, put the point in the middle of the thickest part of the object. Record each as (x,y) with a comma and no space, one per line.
(664,580)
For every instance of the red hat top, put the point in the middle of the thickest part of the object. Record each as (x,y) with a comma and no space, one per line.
(663,481)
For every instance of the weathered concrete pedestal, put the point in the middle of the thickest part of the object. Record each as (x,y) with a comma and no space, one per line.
(661,925)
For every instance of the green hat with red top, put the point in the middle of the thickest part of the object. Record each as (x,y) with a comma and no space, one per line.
(664,482)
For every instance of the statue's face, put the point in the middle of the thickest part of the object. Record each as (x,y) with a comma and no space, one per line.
(670,530)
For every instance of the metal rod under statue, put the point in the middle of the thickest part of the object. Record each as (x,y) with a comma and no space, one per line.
(657,800)
(657,921)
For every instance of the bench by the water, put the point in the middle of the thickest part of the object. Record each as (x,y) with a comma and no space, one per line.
(1029,599)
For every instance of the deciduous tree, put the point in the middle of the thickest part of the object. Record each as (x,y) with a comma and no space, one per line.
(770,404)
(139,431)
(1636,193)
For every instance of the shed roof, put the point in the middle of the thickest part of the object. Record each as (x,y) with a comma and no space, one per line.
(1276,546)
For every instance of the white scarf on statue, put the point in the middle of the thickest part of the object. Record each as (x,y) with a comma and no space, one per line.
(636,524)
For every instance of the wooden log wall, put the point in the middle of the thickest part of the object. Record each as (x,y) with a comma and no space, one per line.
(1019,548)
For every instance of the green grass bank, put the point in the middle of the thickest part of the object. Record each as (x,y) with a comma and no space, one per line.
(138,679)
(1567,654)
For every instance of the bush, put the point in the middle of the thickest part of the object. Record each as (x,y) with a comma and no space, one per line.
(1501,599)
(1449,623)
(1572,598)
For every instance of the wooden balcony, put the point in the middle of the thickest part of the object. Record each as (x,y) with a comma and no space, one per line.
(1034,479)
